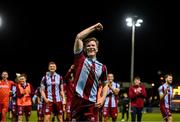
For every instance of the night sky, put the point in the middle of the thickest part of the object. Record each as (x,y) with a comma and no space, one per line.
(34,33)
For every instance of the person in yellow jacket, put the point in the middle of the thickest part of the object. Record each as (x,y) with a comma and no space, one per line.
(25,92)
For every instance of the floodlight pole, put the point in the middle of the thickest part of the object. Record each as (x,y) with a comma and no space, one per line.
(132,52)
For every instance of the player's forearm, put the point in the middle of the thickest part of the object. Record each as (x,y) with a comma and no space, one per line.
(62,94)
(63,97)
(104,91)
(116,91)
(161,96)
(43,94)
(68,75)
(81,36)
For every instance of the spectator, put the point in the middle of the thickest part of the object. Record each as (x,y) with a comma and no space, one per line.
(137,95)
(125,107)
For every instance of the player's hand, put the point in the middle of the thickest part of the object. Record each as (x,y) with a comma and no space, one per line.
(27,91)
(18,74)
(46,100)
(99,26)
(166,90)
(100,102)
(110,85)
(72,66)
(64,107)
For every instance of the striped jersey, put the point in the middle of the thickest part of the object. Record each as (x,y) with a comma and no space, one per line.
(89,74)
(111,99)
(168,96)
(37,95)
(52,85)
(14,90)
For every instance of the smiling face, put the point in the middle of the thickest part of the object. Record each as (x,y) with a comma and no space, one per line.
(91,47)
(52,67)
(110,77)
(137,81)
(22,79)
(4,75)
(169,79)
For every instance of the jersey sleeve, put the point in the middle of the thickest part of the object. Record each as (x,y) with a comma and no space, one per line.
(160,90)
(103,77)
(42,84)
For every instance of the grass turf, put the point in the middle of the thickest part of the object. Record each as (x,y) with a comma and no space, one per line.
(147,117)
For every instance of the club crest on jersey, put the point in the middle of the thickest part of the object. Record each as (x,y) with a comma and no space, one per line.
(92,118)
(20,112)
(60,111)
(47,110)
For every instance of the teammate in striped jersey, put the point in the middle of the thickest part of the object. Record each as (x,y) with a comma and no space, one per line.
(166,95)
(111,103)
(53,93)
(69,91)
(38,99)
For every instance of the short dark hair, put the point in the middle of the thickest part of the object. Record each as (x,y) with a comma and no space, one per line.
(51,62)
(167,75)
(137,78)
(23,75)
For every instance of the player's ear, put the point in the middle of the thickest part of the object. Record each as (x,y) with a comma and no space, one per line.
(96,50)
(85,51)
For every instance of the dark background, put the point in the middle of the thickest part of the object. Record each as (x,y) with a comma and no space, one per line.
(36,32)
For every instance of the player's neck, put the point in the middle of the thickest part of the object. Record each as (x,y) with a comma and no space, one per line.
(167,84)
(4,79)
(93,57)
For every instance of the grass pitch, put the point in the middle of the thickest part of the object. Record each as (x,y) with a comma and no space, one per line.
(147,117)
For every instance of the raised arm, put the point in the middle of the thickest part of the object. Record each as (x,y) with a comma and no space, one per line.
(68,74)
(78,44)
